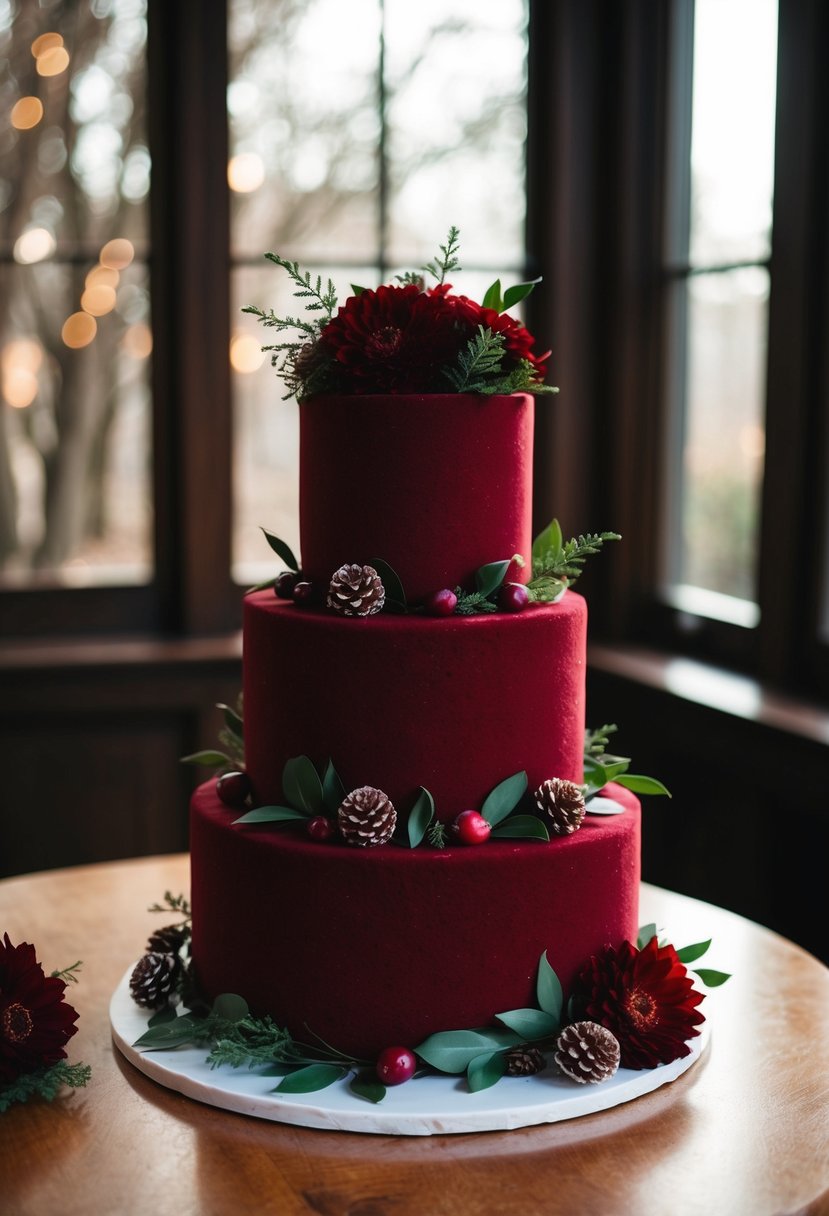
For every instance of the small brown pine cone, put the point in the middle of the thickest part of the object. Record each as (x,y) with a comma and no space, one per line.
(366,817)
(587,1052)
(168,940)
(154,979)
(524,1061)
(563,804)
(356,591)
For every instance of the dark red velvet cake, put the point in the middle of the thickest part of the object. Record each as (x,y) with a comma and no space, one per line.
(372,946)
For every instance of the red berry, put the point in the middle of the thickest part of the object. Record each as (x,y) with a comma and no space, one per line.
(471,828)
(513,597)
(320,828)
(284,584)
(396,1065)
(303,592)
(440,603)
(233,788)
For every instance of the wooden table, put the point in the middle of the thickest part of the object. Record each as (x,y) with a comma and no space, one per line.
(744,1133)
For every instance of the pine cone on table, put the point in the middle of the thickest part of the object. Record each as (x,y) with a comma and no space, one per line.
(366,817)
(154,979)
(168,940)
(587,1052)
(524,1061)
(562,803)
(356,591)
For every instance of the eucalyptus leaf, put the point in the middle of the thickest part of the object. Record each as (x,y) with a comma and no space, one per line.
(501,801)
(167,1014)
(420,816)
(490,577)
(312,1077)
(301,785)
(521,827)
(646,932)
(548,991)
(642,785)
(231,1007)
(277,1069)
(492,297)
(529,1023)
(712,979)
(333,790)
(614,771)
(595,773)
(452,1051)
(208,759)
(485,1070)
(282,550)
(366,1085)
(550,541)
(689,954)
(603,806)
(390,579)
(271,814)
(167,1035)
(233,721)
(514,295)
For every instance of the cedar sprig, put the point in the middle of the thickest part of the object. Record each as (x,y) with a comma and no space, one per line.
(45,1083)
(436,834)
(69,974)
(566,560)
(479,369)
(448,259)
(321,300)
(174,903)
(471,602)
(596,741)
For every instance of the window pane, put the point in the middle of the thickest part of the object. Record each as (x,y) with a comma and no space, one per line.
(74,310)
(732,150)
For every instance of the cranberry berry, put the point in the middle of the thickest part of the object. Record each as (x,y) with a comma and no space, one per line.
(233,788)
(303,592)
(471,828)
(440,603)
(320,828)
(396,1065)
(284,584)
(513,597)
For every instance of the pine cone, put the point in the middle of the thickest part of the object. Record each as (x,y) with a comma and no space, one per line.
(154,979)
(524,1061)
(168,940)
(356,591)
(586,1052)
(366,817)
(563,804)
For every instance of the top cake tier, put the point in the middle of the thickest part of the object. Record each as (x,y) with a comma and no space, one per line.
(436,486)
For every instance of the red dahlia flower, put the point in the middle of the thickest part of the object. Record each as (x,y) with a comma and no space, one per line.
(35,1021)
(645,998)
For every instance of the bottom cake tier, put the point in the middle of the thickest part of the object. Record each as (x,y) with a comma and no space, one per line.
(368,948)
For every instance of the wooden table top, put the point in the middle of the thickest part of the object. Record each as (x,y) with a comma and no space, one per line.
(744,1133)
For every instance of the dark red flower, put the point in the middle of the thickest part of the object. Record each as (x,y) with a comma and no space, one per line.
(35,1021)
(645,998)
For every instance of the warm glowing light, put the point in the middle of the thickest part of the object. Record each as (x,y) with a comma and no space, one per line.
(53,62)
(245,172)
(46,42)
(102,276)
(752,440)
(20,362)
(26,113)
(79,330)
(34,245)
(246,355)
(117,254)
(137,341)
(98,300)
(19,387)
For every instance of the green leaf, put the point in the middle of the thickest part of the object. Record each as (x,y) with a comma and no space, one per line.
(333,790)
(504,798)
(312,1077)
(548,541)
(233,721)
(208,759)
(492,297)
(646,932)
(271,814)
(642,785)
(548,991)
(525,827)
(365,1085)
(301,785)
(453,1051)
(689,954)
(529,1023)
(614,771)
(231,1007)
(167,1035)
(514,295)
(420,816)
(167,1014)
(490,577)
(391,582)
(485,1070)
(357,291)
(282,550)
(712,979)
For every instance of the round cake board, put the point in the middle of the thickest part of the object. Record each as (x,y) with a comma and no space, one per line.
(426,1106)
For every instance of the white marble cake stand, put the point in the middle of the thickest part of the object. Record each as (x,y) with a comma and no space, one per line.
(426,1106)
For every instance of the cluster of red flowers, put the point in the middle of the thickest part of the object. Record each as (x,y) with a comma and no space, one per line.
(645,998)
(402,339)
(35,1021)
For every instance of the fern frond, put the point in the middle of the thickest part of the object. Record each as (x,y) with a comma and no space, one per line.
(448,260)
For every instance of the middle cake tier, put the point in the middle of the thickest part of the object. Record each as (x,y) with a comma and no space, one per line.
(397,702)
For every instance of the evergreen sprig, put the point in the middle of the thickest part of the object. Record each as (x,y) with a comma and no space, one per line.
(321,300)
(471,602)
(596,741)
(174,903)
(565,560)
(45,1083)
(448,259)
(69,975)
(436,834)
